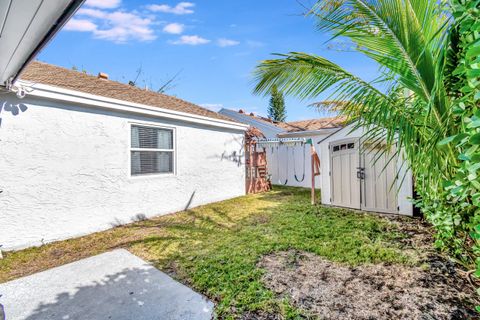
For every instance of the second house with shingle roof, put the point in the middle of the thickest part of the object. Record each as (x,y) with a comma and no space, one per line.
(289,165)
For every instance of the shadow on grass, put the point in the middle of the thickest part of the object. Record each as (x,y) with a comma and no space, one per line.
(215,248)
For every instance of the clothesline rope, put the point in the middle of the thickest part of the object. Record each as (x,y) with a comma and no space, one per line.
(281,141)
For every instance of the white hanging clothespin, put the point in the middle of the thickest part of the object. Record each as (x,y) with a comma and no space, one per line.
(19,90)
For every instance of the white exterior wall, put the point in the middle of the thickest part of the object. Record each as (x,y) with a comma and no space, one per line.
(405,192)
(279,157)
(64,171)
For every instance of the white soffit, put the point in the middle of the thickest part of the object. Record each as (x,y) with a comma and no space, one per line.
(25,26)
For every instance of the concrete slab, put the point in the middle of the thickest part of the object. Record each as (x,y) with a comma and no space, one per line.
(116,285)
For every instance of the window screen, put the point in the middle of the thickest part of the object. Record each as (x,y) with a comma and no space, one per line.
(152,150)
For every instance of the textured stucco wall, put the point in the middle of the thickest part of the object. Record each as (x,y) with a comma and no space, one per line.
(64,171)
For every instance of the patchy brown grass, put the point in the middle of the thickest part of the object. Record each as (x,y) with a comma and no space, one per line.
(333,291)
(137,237)
(216,249)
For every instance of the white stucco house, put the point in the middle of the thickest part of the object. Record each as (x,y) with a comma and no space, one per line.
(81,153)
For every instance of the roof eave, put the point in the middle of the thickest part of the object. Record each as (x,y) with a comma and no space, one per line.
(56,27)
(60,94)
(252,122)
(20,50)
(310,132)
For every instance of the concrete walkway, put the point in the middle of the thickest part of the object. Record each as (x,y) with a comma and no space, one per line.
(115,285)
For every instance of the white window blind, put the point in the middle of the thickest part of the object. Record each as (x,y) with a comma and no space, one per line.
(152,150)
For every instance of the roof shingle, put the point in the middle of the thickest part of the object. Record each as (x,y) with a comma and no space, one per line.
(39,72)
(313,124)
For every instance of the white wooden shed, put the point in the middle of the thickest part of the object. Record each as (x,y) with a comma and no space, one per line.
(355,175)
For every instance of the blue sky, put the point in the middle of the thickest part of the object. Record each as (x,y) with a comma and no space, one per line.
(214,44)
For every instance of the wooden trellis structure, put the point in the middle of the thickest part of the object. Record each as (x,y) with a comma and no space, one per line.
(256,163)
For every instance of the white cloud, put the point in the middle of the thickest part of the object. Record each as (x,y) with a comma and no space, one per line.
(174,28)
(180,9)
(94,13)
(103,4)
(117,26)
(222,42)
(80,25)
(191,40)
(212,106)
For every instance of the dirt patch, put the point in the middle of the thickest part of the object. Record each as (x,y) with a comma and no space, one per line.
(416,235)
(334,291)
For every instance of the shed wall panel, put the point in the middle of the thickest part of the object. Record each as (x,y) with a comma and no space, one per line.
(404,195)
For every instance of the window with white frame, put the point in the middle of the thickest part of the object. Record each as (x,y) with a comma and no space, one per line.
(152,150)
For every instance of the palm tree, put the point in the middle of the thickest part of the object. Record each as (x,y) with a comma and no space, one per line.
(426,99)
(408,101)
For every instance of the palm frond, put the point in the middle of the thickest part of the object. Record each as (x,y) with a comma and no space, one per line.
(406,105)
(307,76)
(330,105)
(397,34)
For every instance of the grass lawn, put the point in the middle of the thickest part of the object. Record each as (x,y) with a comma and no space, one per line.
(215,248)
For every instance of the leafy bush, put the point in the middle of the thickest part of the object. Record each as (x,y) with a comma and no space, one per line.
(459,227)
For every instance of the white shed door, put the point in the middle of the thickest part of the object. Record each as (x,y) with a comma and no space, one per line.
(378,180)
(344,166)
(362,178)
